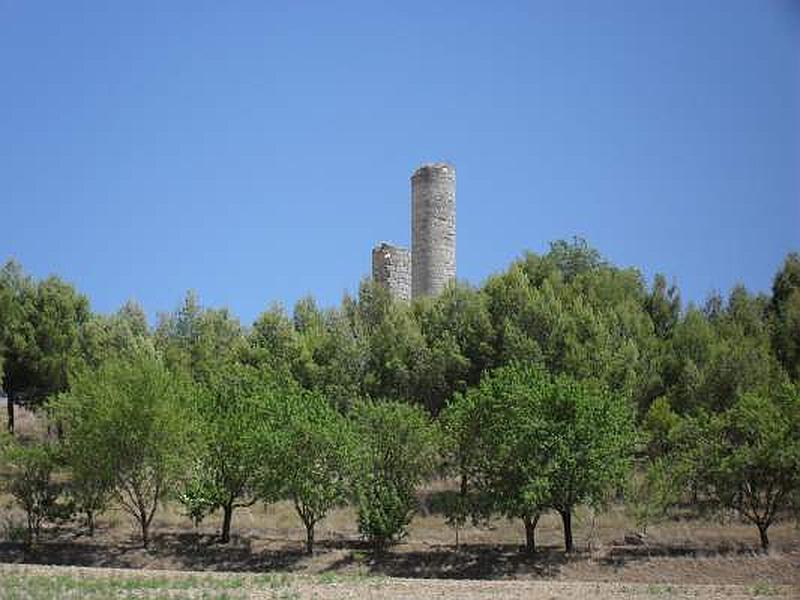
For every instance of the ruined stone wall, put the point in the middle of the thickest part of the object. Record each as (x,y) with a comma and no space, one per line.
(433,228)
(391,267)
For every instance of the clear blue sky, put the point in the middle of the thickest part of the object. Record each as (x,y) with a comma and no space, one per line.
(255,151)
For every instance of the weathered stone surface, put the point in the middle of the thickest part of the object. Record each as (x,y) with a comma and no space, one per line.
(391,267)
(433,226)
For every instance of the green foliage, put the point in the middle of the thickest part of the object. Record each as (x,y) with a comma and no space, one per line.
(720,353)
(29,480)
(121,334)
(193,340)
(591,436)
(395,344)
(746,458)
(42,329)
(499,443)
(317,457)
(663,304)
(235,411)
(658,425)
(130,416)
(532,441)
(91,483)
(396,451)
(458,346)
(649,495)
(785,305)
(571,312)
(460,452)
(273,341)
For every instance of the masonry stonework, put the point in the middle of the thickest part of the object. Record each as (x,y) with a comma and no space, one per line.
(433,227)
(431,263)
(391,267)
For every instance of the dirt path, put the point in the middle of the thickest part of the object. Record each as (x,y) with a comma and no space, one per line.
(39,581)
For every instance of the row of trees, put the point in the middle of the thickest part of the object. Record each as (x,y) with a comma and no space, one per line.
(538,390)
(134,434)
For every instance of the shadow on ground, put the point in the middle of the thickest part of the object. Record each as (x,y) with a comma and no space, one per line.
(180,550)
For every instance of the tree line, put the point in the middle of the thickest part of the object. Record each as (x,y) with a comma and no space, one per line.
(562,381)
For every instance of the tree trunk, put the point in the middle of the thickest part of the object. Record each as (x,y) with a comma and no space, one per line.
(10,411)
(309,538)
(566,519)
(90,522)
(227,516)
(145,533)
(530,528)
(762,532)
(31,531)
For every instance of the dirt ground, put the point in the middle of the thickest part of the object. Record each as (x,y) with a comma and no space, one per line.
(33,582)
(269,539)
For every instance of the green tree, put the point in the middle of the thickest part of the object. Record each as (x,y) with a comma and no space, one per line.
(397,450)
(573,313)
(785,305)
(746,458)
(721,352)
(663,304)
(538,441)
(273,341)
(317,450)
(91,479)
(499,445)
(395,348)
(42,336)
(591,437)
(117,335)
(461,457)
(236,411)
(651,493)
(29,479)
(131,417)
(194,339)
(458,338)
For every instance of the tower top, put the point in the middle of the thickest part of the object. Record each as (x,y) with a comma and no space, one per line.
(428,169)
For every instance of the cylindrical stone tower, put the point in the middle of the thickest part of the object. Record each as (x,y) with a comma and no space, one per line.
(433,228)
(391,268)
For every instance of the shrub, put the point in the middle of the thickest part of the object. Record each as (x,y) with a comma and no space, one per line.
(30,482)
(397,446)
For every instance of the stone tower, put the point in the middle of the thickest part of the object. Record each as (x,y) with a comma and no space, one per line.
(433,228)
(391,267)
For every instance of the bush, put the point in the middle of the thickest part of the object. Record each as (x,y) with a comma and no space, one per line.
(30,482)
(396,450)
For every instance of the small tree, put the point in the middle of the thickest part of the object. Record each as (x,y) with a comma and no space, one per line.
(234,409)
(591,438)
(29,480)
(91,482)
(650,495)
(748,457)
(498,440)
(131,418)
(317,450)
(396,451)
(461,453)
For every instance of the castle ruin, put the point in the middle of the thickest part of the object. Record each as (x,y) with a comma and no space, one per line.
(431,263)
